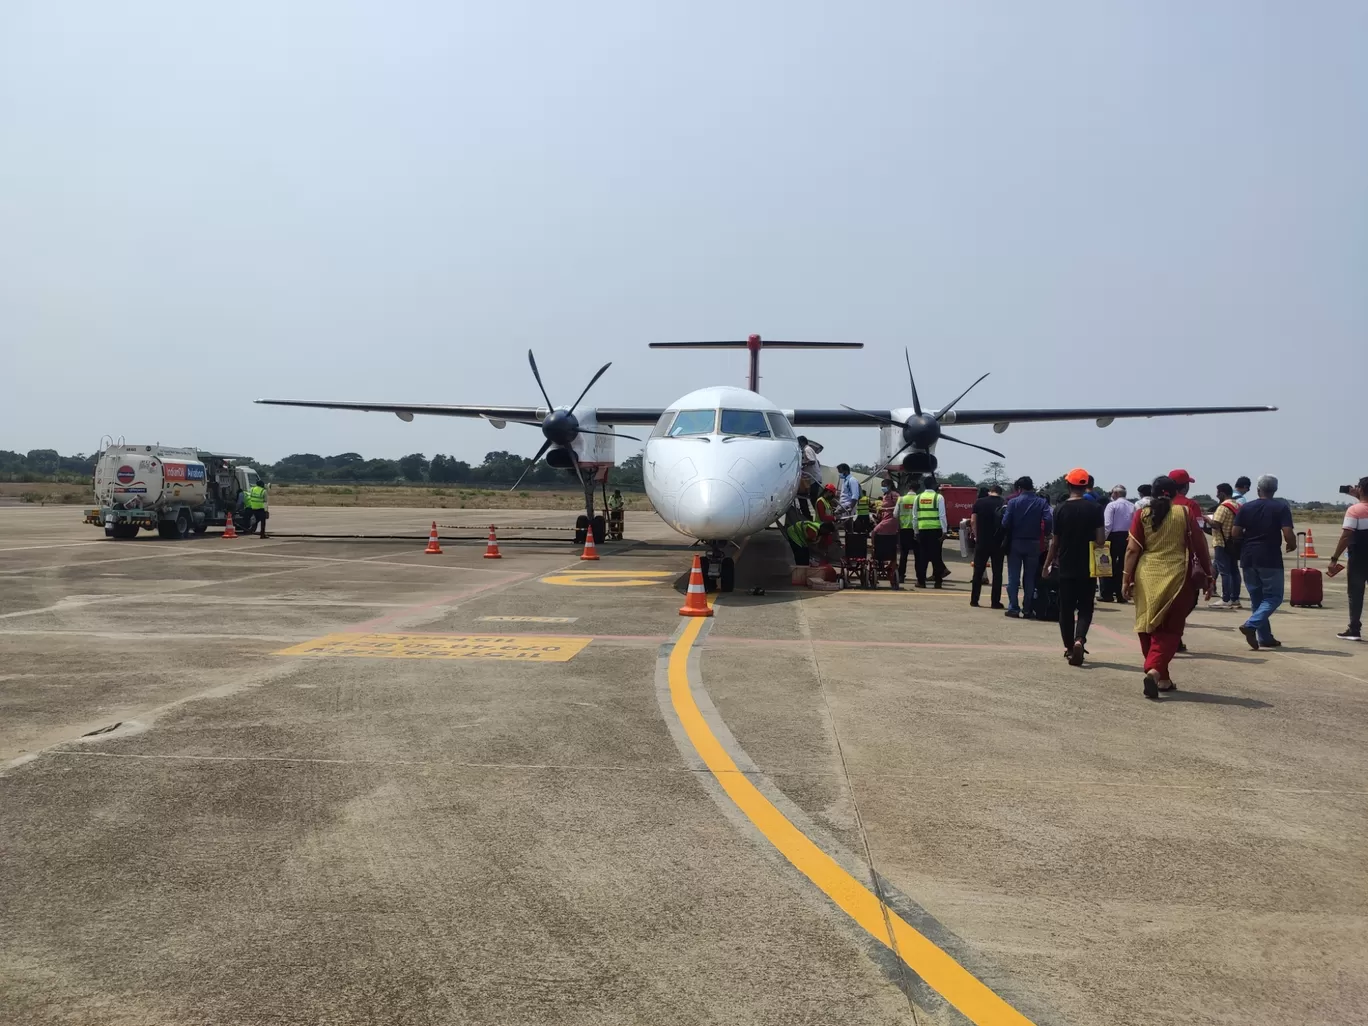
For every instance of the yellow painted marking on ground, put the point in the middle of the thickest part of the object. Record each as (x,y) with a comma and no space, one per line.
(531,648)
(609,578)
(528,619)
(941,972)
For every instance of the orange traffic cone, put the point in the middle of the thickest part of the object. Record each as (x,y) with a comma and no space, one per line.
(1309,550)
(433,548)
(696,601)
(229,531)
(492,546)
(589,551)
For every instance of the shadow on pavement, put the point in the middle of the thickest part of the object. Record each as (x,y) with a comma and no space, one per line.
(1204,698)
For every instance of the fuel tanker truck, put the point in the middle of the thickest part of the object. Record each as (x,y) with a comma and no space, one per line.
(168,490)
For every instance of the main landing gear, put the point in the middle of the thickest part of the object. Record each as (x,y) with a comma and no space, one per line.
(719,569)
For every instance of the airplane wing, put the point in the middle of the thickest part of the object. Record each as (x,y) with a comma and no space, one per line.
(863,418)
(495,414)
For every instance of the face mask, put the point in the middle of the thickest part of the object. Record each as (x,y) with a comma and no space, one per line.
(883,489)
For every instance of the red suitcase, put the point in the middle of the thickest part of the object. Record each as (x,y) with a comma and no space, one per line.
(1307,585)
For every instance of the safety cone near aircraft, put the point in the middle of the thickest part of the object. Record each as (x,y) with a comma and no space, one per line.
(492,546)
(589,551)
(696,601)
(1309,549)
(229,531)
(433,548)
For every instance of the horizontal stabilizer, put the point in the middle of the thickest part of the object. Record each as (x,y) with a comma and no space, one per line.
(767,344)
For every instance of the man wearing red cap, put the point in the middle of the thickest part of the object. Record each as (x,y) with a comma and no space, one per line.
(1078,525)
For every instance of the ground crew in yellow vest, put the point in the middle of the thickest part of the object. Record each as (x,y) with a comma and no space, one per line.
(800,534)
(256,507)
(907,530)
(930,527)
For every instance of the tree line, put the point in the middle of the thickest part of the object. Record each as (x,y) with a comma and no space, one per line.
(497,468)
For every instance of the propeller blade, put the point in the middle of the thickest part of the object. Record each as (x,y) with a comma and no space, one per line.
(884,469)
(950,407)
(531,463)
(590,385)
(950,438)
(916,403)
(881,420)
(537,374)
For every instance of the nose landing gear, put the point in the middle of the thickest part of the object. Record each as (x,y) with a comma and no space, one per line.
(719,569)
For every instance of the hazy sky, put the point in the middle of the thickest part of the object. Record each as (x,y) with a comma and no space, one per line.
(1135,203)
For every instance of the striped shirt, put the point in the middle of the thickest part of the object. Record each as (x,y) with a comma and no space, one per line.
(1356,520)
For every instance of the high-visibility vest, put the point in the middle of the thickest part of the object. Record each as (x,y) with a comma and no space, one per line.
(256,498)
(907,512)
(862,506)
(802,532)
(928,512)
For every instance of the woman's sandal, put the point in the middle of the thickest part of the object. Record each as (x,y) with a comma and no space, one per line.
(1168,685)
(1151,686)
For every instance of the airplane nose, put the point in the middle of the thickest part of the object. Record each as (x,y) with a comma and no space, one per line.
(716,504)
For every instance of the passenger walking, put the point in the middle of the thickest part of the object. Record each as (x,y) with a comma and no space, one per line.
(1078,526)
(1164,540)
(1225,549)
(907,531)
(988,546)
(1026,516)
(930,527)
(1116,520)
(1260,526)
(1241,487)
(1354,537)
(1143,493)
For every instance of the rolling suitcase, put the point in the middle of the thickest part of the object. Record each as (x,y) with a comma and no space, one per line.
(1307,584)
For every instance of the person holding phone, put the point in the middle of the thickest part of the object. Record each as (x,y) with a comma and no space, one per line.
(1354,538)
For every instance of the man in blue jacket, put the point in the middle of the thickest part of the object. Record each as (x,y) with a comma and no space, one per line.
(1025,521)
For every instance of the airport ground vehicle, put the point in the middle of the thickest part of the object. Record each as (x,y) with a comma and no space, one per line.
(174,491)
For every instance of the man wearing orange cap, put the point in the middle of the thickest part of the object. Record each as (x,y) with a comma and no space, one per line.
(1078,524)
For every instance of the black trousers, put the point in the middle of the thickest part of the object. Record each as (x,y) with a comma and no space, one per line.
(1111,586)
(1075,596)
(907,542)
(983,555)
(261,516)
(1358,575)
(930,552)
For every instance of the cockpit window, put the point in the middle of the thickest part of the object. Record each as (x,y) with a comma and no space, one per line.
(745,422)
(780,426)
(693,422)
(663,424)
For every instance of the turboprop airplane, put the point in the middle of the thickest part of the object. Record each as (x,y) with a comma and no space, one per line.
(722,463)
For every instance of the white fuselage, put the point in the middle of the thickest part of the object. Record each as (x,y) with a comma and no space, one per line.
(721,464)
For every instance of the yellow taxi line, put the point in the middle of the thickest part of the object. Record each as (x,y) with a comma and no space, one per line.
(942,973)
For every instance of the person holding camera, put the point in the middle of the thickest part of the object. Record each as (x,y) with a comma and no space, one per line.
(1354,537)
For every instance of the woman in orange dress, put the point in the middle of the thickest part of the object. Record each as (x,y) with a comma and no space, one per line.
(1164,542)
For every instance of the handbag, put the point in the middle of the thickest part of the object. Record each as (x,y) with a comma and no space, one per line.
(1099,560)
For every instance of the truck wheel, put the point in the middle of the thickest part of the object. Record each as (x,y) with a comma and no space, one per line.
(182,525)
(201,526)
(123,532)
